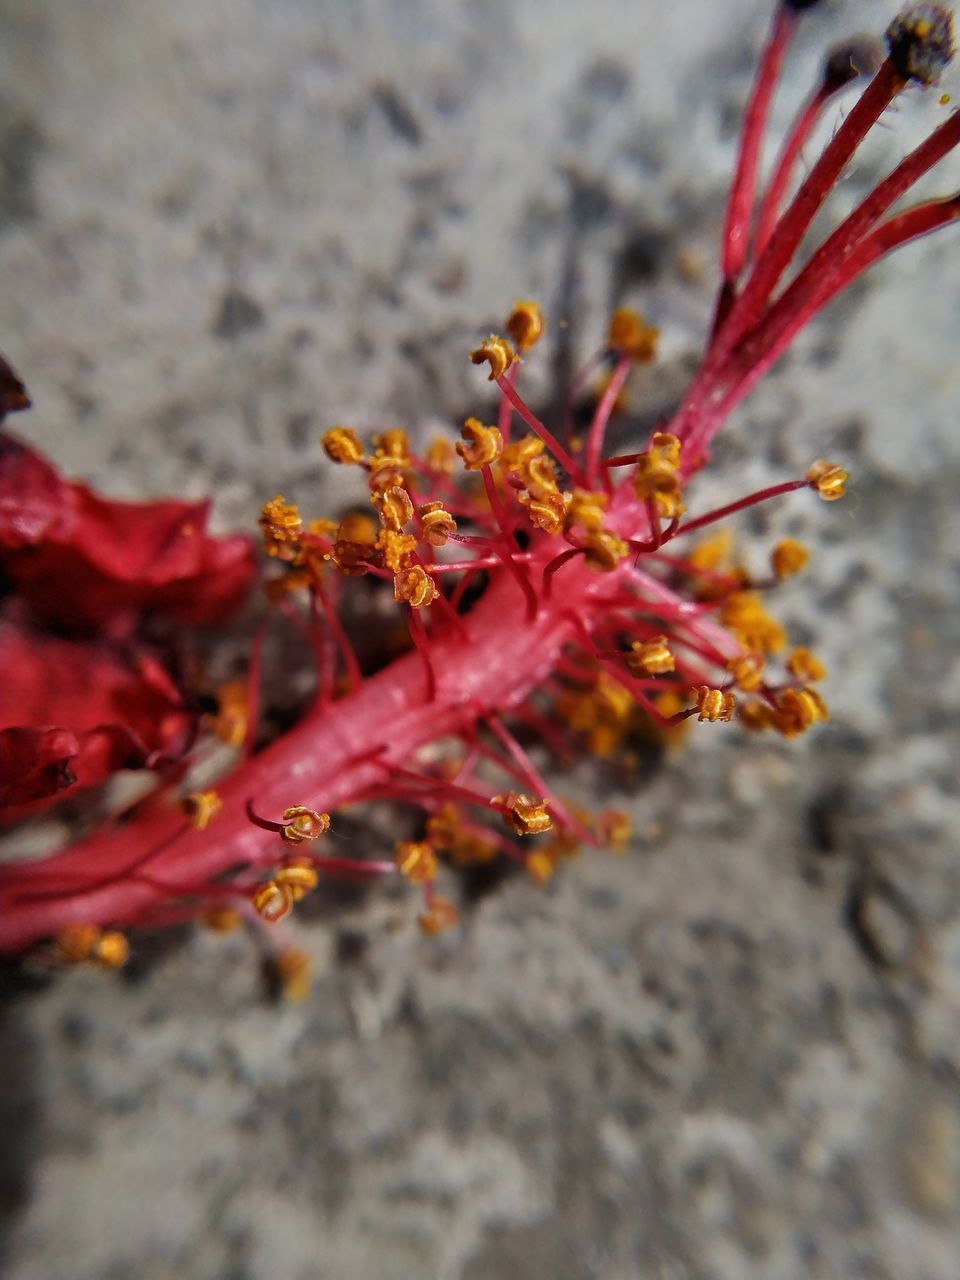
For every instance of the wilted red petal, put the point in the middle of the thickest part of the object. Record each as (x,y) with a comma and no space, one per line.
(89,563)
(74,712)
(35,763)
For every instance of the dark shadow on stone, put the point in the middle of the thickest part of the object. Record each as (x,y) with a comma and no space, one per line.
(20,147)
(238,314)
(20,1103)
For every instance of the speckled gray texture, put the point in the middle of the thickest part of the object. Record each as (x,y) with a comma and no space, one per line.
(733,1052)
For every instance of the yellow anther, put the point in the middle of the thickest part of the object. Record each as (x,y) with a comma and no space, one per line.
(496,352)
(414,586)
(587,510)
(828,479)
(299,876)
(221,919)
(396,548)
(415,860)
(612,700)
(444,827)
(756,715)
(666,447)
(272,901)
(615,829)
(112,950)
(798,710)
(77,942)
(294,973)
(321,527)
(540,476)
(445,831)
(604,550)
(393,444)
(743,613)
(439,916)
(525,325)
(713,552)
(352,559)
(201,807)
(282,528)
(747,671)
(654,476)
(357,526)
(539,865)
(440,456)
(344,446)
(229,721)
(301,824)
(789,557)
(669,506)
(480,446)
(651,657)
(516,455)
(657,478)
(803,665)
(386,473)
(436,523)
(395,507)
(525,815)
(632,336)
(548,511)
(714,704)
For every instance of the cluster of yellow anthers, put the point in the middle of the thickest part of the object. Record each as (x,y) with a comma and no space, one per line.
(449,833)
(355,546)
(296,876)
(657,477)
(88,944)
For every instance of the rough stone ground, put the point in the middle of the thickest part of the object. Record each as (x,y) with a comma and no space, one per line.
(733,1052)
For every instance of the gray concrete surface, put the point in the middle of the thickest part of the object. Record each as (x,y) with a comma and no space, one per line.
(732,1053)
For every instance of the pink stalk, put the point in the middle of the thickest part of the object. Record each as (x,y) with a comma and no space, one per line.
(735,244)
(546,612)
(601,418)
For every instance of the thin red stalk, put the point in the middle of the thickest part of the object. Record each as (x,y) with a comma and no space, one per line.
(505,410)
(344,646)
(786,323)
(736,232)
(253,690)
(421,640)
(601,418)
(546,435)
(720,513)
(578,381)
(796,139)
(699,416)
(554,566)
(533,778)
(460,590)
(465,566)
(801,211)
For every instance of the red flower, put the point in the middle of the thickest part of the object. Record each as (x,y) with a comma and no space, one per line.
(87,563)
(72,712)
(83,694)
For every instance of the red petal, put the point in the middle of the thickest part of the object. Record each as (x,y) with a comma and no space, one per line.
(88,563)
(72,713)
(35,763)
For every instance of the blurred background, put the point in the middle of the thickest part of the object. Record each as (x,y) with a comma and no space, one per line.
(734,1051)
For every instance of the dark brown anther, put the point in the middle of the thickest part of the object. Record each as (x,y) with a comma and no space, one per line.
(920,42)
(861,56)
